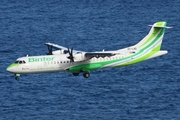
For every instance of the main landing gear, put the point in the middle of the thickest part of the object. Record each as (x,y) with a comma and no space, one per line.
(85,74)
(75,74)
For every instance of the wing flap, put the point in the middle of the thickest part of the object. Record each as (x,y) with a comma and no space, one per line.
(98,54)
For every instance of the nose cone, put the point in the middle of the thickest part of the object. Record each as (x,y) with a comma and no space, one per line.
(10,68)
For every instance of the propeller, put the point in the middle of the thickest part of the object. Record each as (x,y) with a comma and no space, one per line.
(70,51)
(50,50)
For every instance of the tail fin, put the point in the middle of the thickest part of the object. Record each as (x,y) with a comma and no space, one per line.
(154,38)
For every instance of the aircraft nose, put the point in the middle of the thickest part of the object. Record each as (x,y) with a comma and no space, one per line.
(10,68)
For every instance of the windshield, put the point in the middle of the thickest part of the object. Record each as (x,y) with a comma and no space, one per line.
(19,62)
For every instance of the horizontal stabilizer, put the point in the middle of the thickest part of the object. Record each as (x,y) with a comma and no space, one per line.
(159,53)
(159,26)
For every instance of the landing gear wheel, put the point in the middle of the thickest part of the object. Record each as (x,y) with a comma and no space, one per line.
(17,78)
(75,74)
(86,74)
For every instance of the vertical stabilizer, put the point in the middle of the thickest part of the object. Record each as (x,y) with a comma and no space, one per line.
(153,40)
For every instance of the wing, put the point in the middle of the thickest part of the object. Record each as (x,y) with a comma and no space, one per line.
(88,55)
(56,46)
(59,49)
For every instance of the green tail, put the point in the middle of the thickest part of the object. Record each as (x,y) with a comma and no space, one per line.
(154,38)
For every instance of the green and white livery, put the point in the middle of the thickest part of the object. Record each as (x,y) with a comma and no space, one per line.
(68,60)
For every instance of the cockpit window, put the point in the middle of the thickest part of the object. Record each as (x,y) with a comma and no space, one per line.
(16,62)
(78,52)
(20,62)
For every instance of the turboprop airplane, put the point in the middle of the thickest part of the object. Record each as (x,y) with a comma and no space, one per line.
(68,60)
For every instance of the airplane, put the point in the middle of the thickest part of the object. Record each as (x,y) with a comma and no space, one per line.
(64,59)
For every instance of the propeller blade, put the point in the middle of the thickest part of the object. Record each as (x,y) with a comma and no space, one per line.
(50,50)
(72,51)
(70,54)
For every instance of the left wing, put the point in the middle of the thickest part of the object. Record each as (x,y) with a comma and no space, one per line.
(80,57)
(88,55)
(99,54)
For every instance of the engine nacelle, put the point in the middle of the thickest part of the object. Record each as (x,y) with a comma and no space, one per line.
(79,57)
(58,52)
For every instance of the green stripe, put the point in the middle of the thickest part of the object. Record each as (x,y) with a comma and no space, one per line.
(92,66)
(142,50)
(144,57)
(160,24)
(13,65)
(150,44)
(151,36)
(159,35)
(155,32)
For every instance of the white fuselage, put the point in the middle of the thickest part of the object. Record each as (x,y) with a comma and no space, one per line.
(58,63)
(52,63)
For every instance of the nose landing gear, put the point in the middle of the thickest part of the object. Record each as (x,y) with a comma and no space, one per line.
(17,76)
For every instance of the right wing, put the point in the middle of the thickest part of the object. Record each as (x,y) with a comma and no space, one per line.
(58,49)
(56,46)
